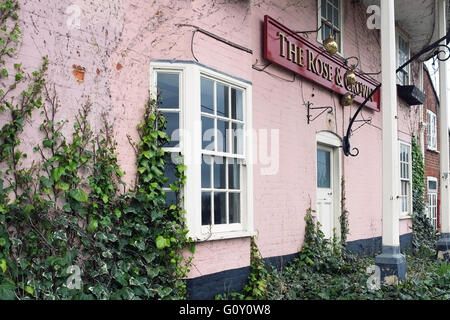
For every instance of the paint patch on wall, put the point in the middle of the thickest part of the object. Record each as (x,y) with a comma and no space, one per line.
(79,72)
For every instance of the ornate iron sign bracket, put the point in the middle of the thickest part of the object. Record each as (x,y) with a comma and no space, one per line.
(308,116)
(442,53)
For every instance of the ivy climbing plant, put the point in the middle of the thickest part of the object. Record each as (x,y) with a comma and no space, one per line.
(424,234)
(69,229)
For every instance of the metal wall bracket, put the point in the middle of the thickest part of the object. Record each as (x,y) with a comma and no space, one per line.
(364,122)
(441,52)
(308,116)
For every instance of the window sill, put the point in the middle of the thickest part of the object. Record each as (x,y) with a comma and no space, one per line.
(404,216)
(225,236)
(433,150)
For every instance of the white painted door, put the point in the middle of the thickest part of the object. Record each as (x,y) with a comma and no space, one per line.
(325,203)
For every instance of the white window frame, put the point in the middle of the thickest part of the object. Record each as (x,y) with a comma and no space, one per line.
(433,216)
(191,148)
(431,131)
(341,29)
(407,69)
(408,212)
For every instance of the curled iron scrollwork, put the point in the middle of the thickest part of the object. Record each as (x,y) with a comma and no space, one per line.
(442,53)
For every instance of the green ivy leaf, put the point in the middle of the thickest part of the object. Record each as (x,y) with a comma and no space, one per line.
(3,265)
(62,186)
(93,225)
(57,173)
(79,195)
(160,242)
(29,290)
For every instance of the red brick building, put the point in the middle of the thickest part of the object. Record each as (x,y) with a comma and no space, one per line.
(432,147)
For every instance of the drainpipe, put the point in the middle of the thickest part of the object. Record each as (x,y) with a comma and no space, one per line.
(391,262)
(443,244)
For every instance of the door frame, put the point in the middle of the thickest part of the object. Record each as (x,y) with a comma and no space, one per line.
(331,140)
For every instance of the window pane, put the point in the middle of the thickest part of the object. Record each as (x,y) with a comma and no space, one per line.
(172,128)
(207,93)
(206,208)
(237,136)
(432,185)
(206,171)
(329,12)
(222,100)
(323,8)
(323,169)
(168,90)
(234,202)
(219,173)
(171,198)
(236,104)
(208,133)
(170,170)
(222,136)
(220,204)
(326,31)
(405,195)
(336,18)
(234,174)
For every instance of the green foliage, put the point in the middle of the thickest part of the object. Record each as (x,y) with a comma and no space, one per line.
(424,235)
(70,207)
(321,272)
(256,287)
(257,280)
(343,218)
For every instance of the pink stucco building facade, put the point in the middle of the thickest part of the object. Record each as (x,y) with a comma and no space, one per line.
(110,52)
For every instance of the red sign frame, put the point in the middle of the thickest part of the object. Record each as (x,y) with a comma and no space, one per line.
(294,52)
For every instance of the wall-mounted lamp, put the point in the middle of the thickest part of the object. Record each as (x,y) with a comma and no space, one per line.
(347,99)
(331,45)
(350,76)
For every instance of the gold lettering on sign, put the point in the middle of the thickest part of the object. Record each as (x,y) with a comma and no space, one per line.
(319,64)
(292,54)
(300,58)
(311,66)
(338,78)
(292,51)
(330,73)
(283,39)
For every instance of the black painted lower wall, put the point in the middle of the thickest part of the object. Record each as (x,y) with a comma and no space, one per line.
(207,287)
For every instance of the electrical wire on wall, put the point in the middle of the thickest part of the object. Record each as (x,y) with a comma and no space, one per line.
(211,35)
(263,69)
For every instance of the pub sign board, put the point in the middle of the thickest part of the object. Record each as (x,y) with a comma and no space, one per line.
(294,52)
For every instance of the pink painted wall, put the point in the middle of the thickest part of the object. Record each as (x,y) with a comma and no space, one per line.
(115,44)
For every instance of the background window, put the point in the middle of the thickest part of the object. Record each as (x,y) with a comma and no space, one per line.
(405,178)
(402,57)
(431,130)
(432,194)
(330,15)
(222,152)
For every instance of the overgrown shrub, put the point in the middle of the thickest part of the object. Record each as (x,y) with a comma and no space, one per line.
(68,227)
(424,234)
